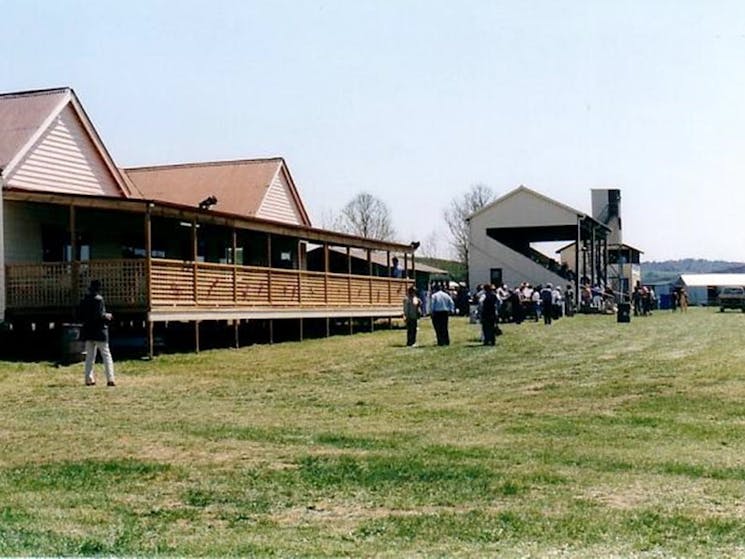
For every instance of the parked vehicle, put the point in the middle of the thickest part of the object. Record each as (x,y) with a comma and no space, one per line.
(732,298)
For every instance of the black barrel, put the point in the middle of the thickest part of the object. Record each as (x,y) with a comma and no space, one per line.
(71,346)
(624,312)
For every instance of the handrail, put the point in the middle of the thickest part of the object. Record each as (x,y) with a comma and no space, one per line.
(139,284)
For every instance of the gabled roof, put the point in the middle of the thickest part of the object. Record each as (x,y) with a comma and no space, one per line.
(239,186)
(25,118)
(525,191)
(21,116)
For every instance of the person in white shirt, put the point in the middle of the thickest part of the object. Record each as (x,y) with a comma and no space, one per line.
(442,306)
(536,301)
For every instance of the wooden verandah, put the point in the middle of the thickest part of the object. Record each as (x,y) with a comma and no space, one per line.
(162,289)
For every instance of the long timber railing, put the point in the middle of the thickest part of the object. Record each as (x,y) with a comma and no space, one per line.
(141,285)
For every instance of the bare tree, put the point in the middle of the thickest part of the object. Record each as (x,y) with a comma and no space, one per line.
(367,216)
(457,214)
(430,247)
(329,220)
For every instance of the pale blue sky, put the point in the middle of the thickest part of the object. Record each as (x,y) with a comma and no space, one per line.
(414,101)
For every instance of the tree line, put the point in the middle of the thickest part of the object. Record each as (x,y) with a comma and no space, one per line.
(368,216)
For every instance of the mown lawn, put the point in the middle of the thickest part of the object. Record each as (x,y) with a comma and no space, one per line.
(588,438)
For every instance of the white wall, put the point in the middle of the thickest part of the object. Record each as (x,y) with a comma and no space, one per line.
(485,253)
(523,208)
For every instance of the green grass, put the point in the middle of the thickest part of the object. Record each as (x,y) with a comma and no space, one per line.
(588,438)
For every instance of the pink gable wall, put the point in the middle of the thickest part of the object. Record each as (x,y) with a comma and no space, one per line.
(65,160)
(278,203)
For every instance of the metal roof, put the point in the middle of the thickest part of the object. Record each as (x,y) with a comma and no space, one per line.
(21,115)
(239,186)
(718,280)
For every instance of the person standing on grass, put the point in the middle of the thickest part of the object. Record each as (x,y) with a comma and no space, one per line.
(412,312)
(95,333)
(547,303)
(683,300)
(441,306)
(569,303)
(489,306)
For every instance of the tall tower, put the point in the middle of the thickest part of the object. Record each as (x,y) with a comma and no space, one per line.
(606,208)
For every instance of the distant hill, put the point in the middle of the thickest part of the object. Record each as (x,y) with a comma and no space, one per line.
(669,270)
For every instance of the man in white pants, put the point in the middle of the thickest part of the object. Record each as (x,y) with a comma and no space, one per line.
(95,333)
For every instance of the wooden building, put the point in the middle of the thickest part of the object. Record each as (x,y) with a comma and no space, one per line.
(222,242)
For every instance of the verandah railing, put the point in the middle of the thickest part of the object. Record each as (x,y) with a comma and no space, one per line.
(187,283)
(62,284)
(178,283)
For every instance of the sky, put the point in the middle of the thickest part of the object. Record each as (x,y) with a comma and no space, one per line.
(416,101)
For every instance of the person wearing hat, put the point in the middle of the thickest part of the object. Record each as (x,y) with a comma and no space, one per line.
(95,333)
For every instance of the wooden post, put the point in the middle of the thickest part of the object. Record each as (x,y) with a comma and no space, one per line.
(195,256)
(577,275)
(351,326)
(235,267)
(369,275)
(326,275)
(236,328)
(196,336)
(269,269)
(328,326)
(388,275)
(74,261)
(150,339)
(149,278)
(349,277)
(593,249)
(301,328)
(299,277)
(149,256)
(605,260)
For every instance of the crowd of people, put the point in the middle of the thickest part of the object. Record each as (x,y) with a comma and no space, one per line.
(528,302)
(492,305)
(643,300)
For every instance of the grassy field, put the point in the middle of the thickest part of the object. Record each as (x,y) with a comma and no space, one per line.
(588,438)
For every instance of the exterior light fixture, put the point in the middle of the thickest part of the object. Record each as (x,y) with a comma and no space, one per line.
(207,202)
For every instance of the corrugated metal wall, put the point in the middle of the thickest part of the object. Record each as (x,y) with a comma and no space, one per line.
(65,160)
(278,204)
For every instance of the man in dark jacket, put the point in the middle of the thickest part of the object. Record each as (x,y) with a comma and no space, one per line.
(95,333)
(489,307)
(547,303)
